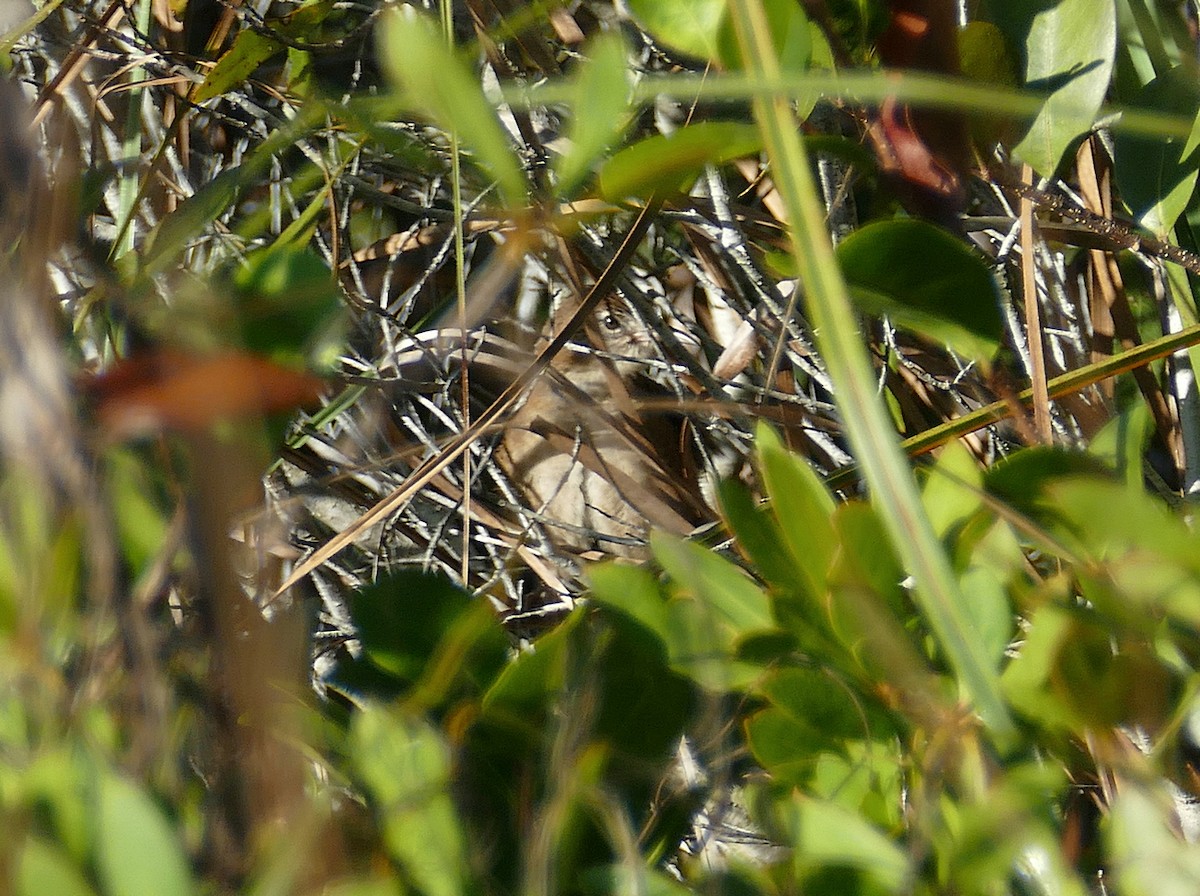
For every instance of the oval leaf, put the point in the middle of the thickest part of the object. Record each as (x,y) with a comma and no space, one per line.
(43,869)
(703,28)
(601,110)
(439,85)
(1069,48)
(137,851)
(1157,175)
(670,162)
(250,50)
(926,281)
(804,509)
(730,595)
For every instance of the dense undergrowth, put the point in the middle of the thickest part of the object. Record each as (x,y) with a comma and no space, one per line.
(903,625)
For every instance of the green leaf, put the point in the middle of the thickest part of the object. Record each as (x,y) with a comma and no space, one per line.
(785,745)
(668,163)
(1109,518)
(1026,680)
(927,281)
(820,700)
(703,650)
(141,520)
(825,833)
(405,766)
(1020,479)
(600,112)
(250,50)
(864,557)
(364,886)
(173,233)
(288,303)
(690,26)
(983,54)
(1149,858)
(630,590)
(439,85)
(716,608)
(758,534)
(1069,47)
(804,509)
(988,612)
(523,689)
(1121,443)
(43,869)
(407,620)
(57,781)
(137,850)
(643,704)
(728,594)
(703,28)
(953,490)
(1157,176)
(630,878)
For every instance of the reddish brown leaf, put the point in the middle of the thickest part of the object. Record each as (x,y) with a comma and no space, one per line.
(165,389)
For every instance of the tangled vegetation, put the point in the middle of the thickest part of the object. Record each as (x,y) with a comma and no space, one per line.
(732,446)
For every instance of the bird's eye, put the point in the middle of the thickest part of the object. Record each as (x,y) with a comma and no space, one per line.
(610,322)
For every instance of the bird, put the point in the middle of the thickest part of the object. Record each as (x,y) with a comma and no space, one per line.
(597,470)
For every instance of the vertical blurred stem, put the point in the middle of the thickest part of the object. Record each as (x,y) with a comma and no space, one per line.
(131,146)
(874,440)
(447,14)
(1033,316)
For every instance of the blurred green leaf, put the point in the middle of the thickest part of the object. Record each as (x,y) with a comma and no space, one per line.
(368,886)
(407,621)
(702,28)
(704,650)
(927,281)
(1026,680)
(137,849)
(643,704)
(822,701)
(43,869)
(1109,518)
(288,304)
(437,83)
(1148,857)
(953,489)
(1155,176)
(668,163)
(524,688)
(825,833)
(864,557)
(1021,478)
(141,519)
(630,590)
(1106,684)
(785,745)
(758,534)
(729,596)
(601,111)
(405,766)
(803,507)
(988,611)
(689,26)
(1121,443)
(983,54)
(619,879)
(58,780)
